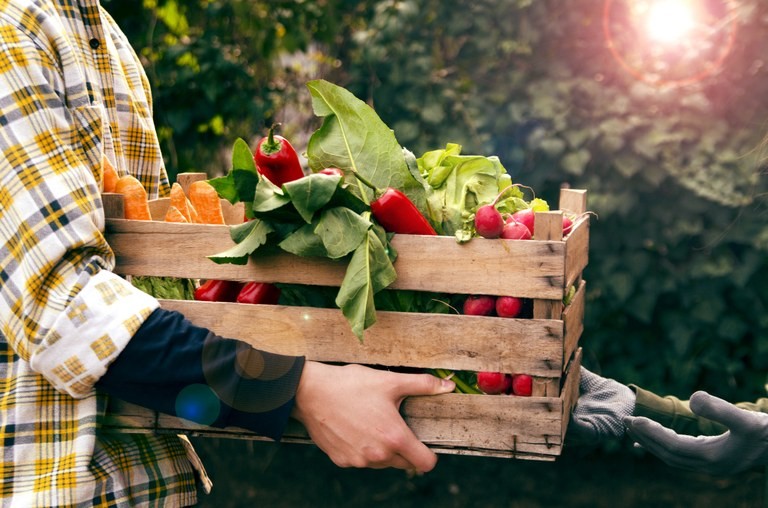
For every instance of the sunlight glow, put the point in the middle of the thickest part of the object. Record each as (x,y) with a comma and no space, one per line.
(669,21)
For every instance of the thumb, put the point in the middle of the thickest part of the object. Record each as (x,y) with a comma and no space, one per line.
(423,384)
(719,410)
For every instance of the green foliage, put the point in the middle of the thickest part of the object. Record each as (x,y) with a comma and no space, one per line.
(679,245)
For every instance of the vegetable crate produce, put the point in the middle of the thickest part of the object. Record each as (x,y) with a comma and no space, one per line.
(545,271)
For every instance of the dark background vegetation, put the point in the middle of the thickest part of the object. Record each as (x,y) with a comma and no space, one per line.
(566,94)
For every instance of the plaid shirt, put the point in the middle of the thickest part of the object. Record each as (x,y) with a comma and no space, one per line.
(71,92)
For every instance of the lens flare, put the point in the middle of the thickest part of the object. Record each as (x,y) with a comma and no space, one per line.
(198,403)
(670,43)
(669,21)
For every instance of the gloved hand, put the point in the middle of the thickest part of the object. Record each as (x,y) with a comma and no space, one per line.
(602,405)
(744,445)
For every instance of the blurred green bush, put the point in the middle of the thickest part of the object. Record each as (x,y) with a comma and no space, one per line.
(565,94)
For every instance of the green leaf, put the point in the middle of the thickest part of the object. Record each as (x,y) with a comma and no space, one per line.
(369,271)
(268,197)
(304,242)
(354,138)
(341,231)
(248,237)
(242,157)
(311,193)
(239,184)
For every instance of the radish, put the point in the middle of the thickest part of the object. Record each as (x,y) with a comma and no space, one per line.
(493,383)
(567,225)
(522,385)
(508,306)
(524,216)
(479,305)
(514,230)
(488,221)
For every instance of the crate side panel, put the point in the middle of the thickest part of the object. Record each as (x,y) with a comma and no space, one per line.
(397,339)
(529,269)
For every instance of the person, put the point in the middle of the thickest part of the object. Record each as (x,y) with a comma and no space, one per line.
(73,334)
(705,433)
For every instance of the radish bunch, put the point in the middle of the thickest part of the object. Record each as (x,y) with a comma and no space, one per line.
(493,383)
(491,223)
(497,383)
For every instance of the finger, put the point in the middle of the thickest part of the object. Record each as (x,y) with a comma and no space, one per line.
(674,449)
(420,458)
(422,384)
(719,410)
(398,462)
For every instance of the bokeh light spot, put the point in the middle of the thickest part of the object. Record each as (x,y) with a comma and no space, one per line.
(198,403)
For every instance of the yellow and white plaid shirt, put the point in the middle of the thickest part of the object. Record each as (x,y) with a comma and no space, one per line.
(71,92)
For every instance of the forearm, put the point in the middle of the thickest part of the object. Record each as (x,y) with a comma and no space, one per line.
(180,369)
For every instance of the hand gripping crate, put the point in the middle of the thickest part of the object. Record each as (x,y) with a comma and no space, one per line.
(545,347)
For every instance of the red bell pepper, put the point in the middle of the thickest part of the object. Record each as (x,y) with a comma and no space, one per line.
(214,290)
(395,212)
(259,292)
(276,159)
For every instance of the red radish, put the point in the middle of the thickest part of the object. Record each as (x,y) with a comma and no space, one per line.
(515,231)
(488,221)
(567,225)
(525,216)
(493,383)
(522,385)
(479,305)
(508,306)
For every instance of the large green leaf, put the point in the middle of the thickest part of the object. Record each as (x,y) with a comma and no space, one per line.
(341,231)
(304,242)
(311,193)
(248,237)
(369,271)
(354,138)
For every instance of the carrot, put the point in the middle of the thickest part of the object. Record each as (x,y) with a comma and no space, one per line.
(110,176)
(206,201)
(135,200)
(180,201)
(173,214)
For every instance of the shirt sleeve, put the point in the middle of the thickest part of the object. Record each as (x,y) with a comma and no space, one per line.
(61,308)
(180,369)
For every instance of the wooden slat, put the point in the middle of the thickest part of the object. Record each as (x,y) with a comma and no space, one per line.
(573,321)
(425,263)
(547,226)
(186,179)
(397,339)
(576,250)
(487,425)
(573,201)
(570,392)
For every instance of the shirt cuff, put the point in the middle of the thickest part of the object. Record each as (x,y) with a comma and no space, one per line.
(90,332)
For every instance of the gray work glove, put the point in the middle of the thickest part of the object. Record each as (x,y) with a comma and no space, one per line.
(601,407)
(744,445)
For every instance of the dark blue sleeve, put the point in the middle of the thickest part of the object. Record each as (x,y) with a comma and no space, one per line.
(180,369)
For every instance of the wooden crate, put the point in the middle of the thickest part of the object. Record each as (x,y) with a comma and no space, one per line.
(545,346)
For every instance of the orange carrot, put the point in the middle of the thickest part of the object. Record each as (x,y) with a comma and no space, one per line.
(135,201)
(173,214)
(180,201)
(110,175)
(206,201)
